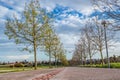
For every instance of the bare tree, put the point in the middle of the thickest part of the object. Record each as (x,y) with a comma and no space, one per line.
(111,8)
(98,37)
(77,55)
(86,31)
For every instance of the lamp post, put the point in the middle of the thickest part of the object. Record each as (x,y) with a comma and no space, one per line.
(106,45)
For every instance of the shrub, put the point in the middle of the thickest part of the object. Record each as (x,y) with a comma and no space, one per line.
(11,65)
(28,65)
(18,65)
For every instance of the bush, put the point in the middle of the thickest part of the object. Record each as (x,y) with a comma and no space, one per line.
(11,65)
(115,65)
(18,65)
(28,65)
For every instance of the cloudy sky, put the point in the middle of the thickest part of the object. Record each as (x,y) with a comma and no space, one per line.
(71,15)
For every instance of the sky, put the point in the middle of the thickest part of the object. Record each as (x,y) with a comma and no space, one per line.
(71,16)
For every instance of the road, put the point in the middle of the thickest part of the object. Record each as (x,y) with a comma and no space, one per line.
(24,75)
(76,73)
(68,73)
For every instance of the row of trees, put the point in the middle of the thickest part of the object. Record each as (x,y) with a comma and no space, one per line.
(35,31)
(92,38)
(92,41)
(113,59)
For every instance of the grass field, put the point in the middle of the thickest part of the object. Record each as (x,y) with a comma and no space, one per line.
(112,65)
(6,68)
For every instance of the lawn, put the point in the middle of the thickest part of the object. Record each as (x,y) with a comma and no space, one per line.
(7,68)
(112,65)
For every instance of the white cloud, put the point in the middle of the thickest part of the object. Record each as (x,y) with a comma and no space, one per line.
(15,4)
(3,11)
(115,49)
(87,11)
(69,40)
(19,57)
(7,44)
(84,6)
(71,21)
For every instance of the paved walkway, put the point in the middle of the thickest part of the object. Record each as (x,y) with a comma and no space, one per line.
(69,73)
(76,73)
(25,75)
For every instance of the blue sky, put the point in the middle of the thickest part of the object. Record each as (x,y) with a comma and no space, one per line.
(70,16)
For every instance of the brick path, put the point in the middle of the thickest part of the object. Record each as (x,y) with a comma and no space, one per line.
(76,73)
(69,73)
(25,75)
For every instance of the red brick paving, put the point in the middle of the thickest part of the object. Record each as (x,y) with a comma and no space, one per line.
(25,75)
(69,73)
(49,75)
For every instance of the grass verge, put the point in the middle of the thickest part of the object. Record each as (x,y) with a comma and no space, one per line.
(112,65)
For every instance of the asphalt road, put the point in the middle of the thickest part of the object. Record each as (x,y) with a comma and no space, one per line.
(76,73)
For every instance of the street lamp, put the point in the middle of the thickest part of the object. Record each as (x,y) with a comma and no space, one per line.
(106,45)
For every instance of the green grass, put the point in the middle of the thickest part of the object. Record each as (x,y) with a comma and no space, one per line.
(15,69)
(6,68)
(112,65)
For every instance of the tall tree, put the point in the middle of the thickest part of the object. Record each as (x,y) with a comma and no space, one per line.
(86,31)
(56,48)
(81,52)
(48,40)
(98,38)
(27,30)
(51,42)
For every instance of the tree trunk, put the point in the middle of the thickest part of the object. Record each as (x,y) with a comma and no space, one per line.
(49,58)
(35,55)
(81,59)
(55,60)
(84,60)
(35,46)
(101,57)
(89,47)
(90,59)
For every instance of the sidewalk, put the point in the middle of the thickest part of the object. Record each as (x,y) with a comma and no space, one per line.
(24,75)
(77,73)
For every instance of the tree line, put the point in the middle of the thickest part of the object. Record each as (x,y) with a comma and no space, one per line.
(98,33)
(35,31)
(92,40)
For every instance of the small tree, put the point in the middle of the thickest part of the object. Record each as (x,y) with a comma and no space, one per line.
(60,56)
